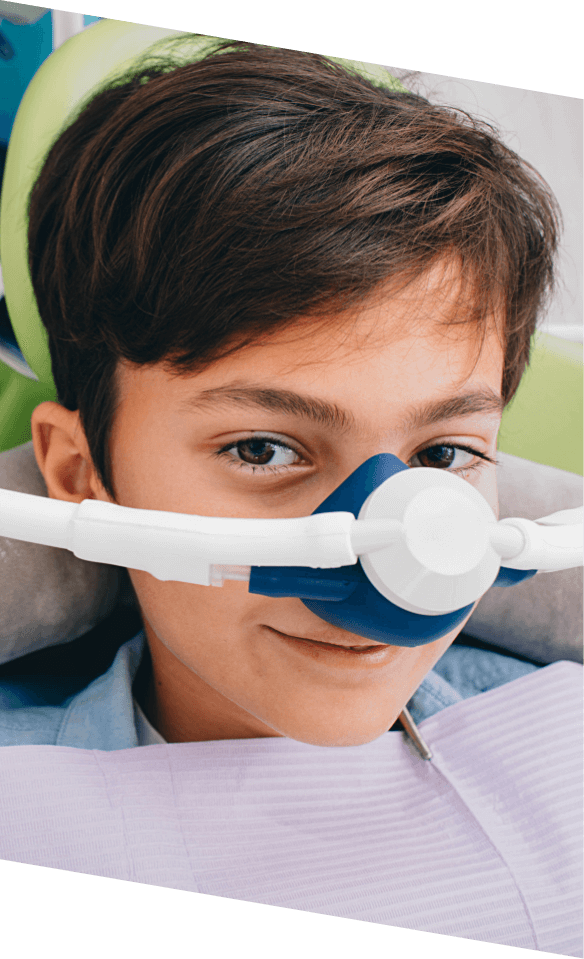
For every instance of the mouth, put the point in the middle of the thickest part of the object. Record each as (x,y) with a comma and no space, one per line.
(344,647)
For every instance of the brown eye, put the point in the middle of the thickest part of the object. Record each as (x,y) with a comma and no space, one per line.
(260,454)
(257,452)
(443,455)
(440,457)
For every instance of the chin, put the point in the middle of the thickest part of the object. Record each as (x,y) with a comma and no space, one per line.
(335,737)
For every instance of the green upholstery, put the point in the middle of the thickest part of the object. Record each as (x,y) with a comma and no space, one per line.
(544,422)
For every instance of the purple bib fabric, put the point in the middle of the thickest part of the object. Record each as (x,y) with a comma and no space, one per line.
(483,842)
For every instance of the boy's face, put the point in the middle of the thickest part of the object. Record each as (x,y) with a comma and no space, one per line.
(270,432)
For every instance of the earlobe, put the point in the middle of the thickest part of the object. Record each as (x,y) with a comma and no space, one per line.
(62,453)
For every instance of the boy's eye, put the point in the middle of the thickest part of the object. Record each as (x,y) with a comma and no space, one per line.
(259,456)
(444,456)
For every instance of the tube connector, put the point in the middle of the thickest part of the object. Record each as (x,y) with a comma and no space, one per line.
(546,547)
(218,574)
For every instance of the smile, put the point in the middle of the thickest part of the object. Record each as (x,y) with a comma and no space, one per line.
(330,652)
(336,646)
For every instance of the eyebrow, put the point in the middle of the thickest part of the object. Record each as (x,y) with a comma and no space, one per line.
(331,416)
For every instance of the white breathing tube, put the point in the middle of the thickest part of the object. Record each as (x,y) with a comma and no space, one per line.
(414,528)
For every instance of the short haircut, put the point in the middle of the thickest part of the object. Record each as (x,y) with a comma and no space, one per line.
(191,210)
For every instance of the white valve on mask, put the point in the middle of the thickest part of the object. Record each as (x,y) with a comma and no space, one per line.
(446,532)
(444,560)
(452,546)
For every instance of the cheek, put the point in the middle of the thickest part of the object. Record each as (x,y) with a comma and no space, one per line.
(170,605)
(195,622)
(487,487)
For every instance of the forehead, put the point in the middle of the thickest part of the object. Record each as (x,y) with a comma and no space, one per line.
(417,340)
(441,308)
(435,313)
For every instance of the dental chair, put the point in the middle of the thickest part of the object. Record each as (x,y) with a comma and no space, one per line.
(64,618)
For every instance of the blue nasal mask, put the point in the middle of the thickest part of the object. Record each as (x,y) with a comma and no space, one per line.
(391,595)
(395,554)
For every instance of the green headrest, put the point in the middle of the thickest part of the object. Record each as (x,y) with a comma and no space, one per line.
(57,92)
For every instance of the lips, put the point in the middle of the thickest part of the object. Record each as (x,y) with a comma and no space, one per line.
(357,648)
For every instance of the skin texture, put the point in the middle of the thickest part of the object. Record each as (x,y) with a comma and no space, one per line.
(221,668)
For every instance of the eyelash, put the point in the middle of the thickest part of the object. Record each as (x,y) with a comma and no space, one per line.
(225,452)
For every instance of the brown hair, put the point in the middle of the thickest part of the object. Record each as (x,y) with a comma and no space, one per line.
(187,212)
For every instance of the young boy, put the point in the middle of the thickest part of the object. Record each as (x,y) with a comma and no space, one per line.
(256,271)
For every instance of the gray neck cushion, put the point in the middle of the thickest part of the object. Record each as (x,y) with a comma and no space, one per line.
(51,597)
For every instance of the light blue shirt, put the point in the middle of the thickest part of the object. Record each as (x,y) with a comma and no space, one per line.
(102,715)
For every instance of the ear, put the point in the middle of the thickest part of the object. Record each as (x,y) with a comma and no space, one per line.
(62,454)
